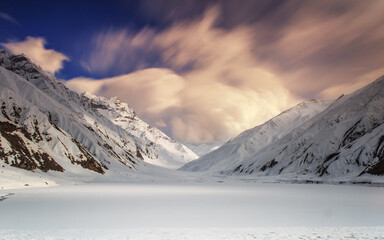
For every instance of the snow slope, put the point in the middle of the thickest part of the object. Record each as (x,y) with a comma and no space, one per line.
(160,149)
(47,127)
(346,140)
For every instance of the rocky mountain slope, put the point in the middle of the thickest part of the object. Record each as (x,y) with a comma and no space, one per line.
(44,125)
(311,140)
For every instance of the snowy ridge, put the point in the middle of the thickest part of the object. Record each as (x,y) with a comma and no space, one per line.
(344,141)
(159,149)
(36,130)
(74,131)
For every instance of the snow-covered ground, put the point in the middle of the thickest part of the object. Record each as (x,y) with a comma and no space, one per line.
(277,233)
(193,210)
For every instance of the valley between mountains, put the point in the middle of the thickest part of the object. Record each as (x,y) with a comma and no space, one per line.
(50,132)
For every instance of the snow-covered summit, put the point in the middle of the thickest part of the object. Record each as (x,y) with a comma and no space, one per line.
(160,149)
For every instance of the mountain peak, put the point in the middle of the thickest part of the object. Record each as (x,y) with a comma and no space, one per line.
(18,63)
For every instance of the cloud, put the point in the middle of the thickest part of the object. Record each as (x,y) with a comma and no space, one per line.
(8,18)
(219,93)
(150,91)
(323,44)
(232,78)
(353,85)
(48,59)
(192,111)
(116,51)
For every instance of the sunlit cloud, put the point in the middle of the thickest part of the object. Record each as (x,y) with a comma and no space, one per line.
(48,59)
(192,111)
(221,94)
(231,79)
(324,44)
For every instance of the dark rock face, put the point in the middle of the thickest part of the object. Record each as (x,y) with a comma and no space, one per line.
(21,155)
(378,167)
(88,161)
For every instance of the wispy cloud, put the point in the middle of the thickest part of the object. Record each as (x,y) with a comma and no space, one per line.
(221,93)
(323,44)
(48,59)
(120,51)
(9,18)
(234,78)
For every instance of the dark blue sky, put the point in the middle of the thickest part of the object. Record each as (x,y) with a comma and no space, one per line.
(68,25)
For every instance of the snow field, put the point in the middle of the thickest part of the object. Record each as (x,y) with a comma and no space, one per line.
(288,233)
(229,210)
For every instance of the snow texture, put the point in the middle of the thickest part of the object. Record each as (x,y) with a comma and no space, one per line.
(292,233)
(228,210)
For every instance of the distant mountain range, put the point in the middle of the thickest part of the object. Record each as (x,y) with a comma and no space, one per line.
(46,126)
(343,139)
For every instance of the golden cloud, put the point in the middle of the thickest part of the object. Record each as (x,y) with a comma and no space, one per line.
(48,59)
(223,94)
(233,79)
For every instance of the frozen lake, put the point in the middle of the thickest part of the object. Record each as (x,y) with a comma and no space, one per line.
(103,208)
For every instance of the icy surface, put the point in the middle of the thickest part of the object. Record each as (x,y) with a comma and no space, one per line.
(290,233)
(190,210)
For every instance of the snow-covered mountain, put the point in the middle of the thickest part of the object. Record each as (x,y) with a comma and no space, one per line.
(160,149)
(344,140)
(46,126)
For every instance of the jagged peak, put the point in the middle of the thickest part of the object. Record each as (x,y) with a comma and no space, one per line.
(22,65)
(4,52)
(16,57)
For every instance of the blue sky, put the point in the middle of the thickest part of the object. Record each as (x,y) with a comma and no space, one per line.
(69,25)
(216,67)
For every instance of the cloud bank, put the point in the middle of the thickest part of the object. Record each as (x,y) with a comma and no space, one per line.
(48,59)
